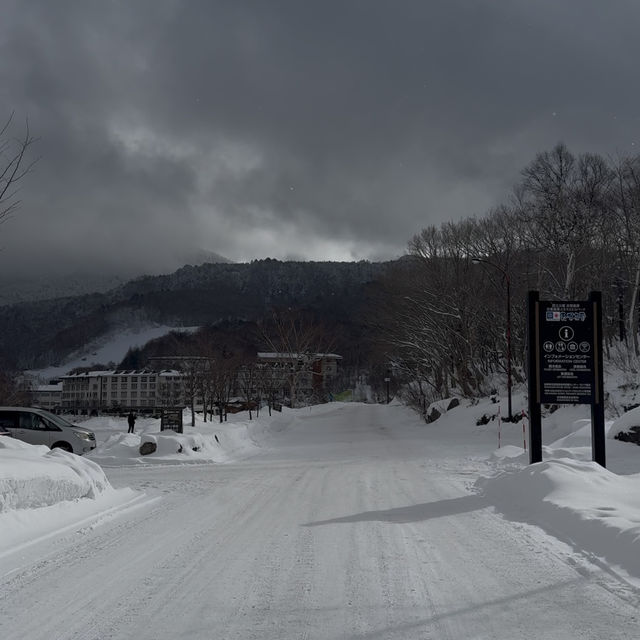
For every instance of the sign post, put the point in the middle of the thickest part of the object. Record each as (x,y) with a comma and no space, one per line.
(597,408)
(565,364)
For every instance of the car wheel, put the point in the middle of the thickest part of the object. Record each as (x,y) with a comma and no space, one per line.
(65,446)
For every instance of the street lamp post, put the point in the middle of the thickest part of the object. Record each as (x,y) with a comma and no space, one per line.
(507,280)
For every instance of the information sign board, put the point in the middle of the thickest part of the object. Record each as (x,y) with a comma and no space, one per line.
(565,364)
(171,419)
(566,353)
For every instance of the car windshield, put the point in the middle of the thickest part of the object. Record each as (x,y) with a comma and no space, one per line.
(57,420)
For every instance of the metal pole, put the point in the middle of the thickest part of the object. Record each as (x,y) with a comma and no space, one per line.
(597,404)
(535,413)
(506,275)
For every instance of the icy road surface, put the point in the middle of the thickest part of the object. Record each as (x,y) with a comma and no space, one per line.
(355,524)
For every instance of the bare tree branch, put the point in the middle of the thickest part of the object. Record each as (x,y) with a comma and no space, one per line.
(14,166)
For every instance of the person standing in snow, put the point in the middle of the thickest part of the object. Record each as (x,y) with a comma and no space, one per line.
(131,419)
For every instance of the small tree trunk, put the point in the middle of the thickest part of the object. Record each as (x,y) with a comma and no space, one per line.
(571,267)
(632,328)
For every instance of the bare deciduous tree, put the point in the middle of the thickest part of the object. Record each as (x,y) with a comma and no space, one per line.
(269,382)
(563,206)
(573,226)
(14,166)
(627,217)
(248,382)
(299,337)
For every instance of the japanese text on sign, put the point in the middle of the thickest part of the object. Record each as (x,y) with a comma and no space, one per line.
(566,352)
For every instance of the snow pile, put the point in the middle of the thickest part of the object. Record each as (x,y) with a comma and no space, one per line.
(35,476)
(43,491)
(625,422)
(124,448)
(578,501)
(209,441)
(593,509)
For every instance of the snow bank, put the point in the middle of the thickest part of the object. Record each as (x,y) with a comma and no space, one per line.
(43,491)
(624,422)
(577,501)
(124,448)
(35,476)
(204,442)
(595,510)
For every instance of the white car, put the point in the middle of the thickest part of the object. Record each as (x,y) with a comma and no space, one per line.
(37,426)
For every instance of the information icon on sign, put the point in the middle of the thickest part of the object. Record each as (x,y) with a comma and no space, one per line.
(566,333)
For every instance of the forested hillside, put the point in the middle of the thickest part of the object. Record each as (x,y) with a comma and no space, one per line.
(40,333)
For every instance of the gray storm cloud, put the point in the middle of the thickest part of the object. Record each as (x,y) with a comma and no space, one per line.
(315,130)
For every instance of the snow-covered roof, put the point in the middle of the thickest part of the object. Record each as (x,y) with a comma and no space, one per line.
(48,387)
(88,374)
(123,372)
(275,355)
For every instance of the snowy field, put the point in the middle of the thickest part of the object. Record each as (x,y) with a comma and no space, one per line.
(336,521)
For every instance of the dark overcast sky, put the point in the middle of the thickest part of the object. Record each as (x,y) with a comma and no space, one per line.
(294,128)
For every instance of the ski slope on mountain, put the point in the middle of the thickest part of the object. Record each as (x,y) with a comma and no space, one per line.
(342,521)
(112,347)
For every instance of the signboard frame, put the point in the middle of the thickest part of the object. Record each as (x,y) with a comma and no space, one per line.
(565,364)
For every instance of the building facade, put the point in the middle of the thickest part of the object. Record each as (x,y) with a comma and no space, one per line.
(46,396)
(122,390)
(309,373)
(296,376)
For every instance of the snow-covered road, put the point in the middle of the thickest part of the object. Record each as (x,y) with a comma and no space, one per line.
(353,525)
